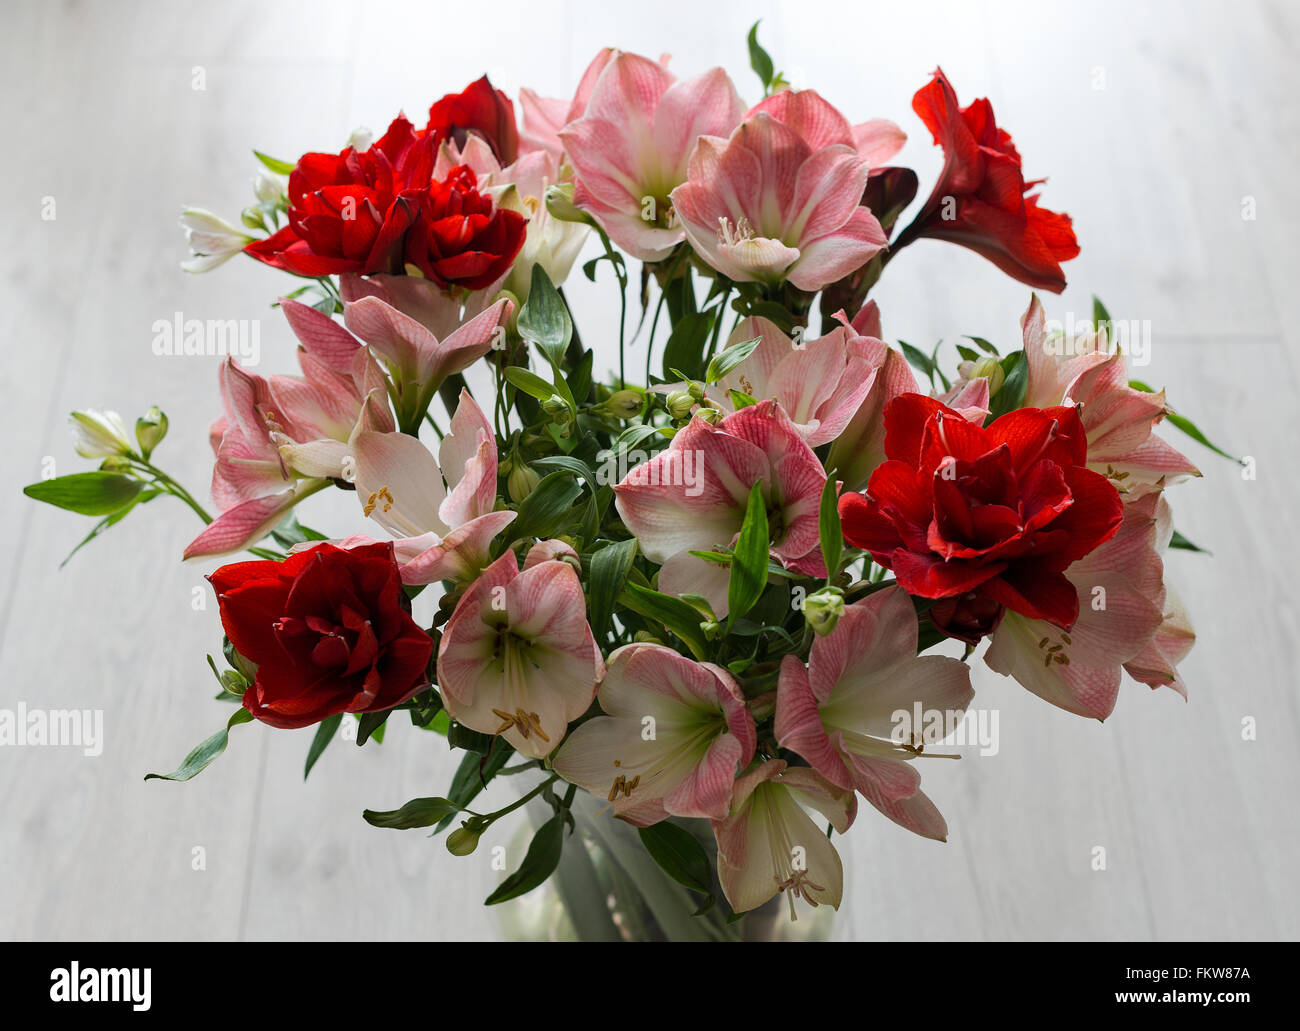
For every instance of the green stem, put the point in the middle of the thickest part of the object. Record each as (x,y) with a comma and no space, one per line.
(174,489)
(493,817)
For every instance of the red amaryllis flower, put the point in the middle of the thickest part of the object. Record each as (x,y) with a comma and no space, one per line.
(460,237)
(477,109)
(329,631)
(980,199)
(983,517)
(347,212)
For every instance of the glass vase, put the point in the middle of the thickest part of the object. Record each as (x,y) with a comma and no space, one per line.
(607,888)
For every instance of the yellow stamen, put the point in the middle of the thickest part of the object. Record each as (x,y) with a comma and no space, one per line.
(372,502)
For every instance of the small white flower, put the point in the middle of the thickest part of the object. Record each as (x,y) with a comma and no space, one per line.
(212,239)
(99,434)
(269,189)
(361,139)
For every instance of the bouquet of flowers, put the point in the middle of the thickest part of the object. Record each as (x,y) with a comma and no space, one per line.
(696,606)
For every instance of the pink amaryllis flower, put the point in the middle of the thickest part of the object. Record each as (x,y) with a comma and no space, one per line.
(1126,620)
(768,843)
(674,734)
(819,383)
(850,711)
(418,360)
(517,657)
(442,511)
(283,438)
(766,205)
(631,147)
(821,124)
(545,117)
(693,495)
(1118,419)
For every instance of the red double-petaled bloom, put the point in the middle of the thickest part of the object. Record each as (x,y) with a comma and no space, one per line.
(329,631)
(479,109)
(983,517)
(980,199)
(460,237)
(349,212)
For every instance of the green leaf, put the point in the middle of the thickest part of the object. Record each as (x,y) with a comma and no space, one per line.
(1101,319)
(274,164)
(110,520)
(728,358)
(324,735)
(1185,424)
(539,863)
(201,757)
(685,348)
(967,353)
(370,724)
(1192,430)
(574,465)
(934,363)
(678,616)
(529,382)
(94,493)
(632,438)
(543,511)
(1015,369)
(739,399)
(828,527)
(759,59)
(609,568)
(918,359)
(579,380)
(1179,541)
(419,812)
(983,345)
(291,532)
(427,707)
(749,558)
(544,320)
(774,312)
(460,736)
(679,855)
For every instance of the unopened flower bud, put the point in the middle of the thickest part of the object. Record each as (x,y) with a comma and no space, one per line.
(679,404)
(267,188)
(252,217)
(462,841)
(521,482)
(645,637)
(822,609)
(150,429)
(989,368)
(559,202)
(555,405)
(710,415)
(696,390)
(99,434)
(624,404)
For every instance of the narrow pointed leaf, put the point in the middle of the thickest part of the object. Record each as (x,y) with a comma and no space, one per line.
(202,756)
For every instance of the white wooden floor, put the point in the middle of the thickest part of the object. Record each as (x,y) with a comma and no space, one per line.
(1196,112)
